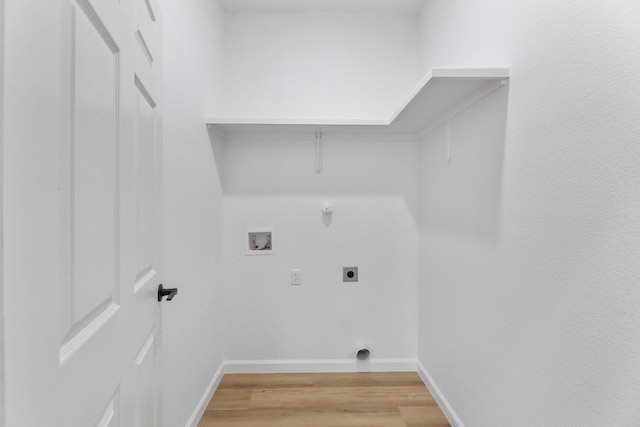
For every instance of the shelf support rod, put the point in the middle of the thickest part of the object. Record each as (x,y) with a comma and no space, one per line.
(463,106)
(318,150)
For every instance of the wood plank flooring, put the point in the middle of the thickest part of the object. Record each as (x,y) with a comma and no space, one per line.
(389,399)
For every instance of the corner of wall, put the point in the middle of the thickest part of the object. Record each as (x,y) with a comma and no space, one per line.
(207,395)
(528,310)
(437,394)
(193,344)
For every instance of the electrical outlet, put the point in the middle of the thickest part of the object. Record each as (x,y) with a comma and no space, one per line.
(296,277)
(349,274)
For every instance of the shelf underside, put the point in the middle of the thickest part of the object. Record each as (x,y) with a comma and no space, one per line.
(440,94)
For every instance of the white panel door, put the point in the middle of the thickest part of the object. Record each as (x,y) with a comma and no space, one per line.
(82,227)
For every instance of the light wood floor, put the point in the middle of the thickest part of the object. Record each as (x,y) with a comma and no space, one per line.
(395,399)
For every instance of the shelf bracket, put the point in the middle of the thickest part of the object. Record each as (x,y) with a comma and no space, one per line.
(464,105)
(318,150)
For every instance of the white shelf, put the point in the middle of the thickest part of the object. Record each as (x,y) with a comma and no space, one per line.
(441,94)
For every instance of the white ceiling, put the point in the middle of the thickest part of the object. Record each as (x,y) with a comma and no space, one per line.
(279,6)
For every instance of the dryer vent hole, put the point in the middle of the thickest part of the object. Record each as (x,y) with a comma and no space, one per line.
(363,354)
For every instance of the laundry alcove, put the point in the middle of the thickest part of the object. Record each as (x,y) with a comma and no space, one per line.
(315,109)
(370,178)
(368,171)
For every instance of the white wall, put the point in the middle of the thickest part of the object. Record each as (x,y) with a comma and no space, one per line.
(372,188)
(2,388)
(192,322)
(529,289)
(326,65)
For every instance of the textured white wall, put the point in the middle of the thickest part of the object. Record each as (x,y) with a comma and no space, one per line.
(529,289)
(327,65)
(373,189)
(193,209)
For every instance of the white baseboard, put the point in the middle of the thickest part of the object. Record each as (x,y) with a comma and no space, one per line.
(438,396)
(320,365)
(206,397)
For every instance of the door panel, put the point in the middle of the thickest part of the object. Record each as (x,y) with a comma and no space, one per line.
(111,415)
(146,407)
(84,330)
(147,35)
(94,164)
(145,31)
(146,175)
(145,144)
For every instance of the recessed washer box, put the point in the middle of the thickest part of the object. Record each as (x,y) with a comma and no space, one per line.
(259,241)
(349,274)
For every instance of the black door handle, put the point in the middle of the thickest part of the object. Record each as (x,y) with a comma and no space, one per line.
(169,292)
